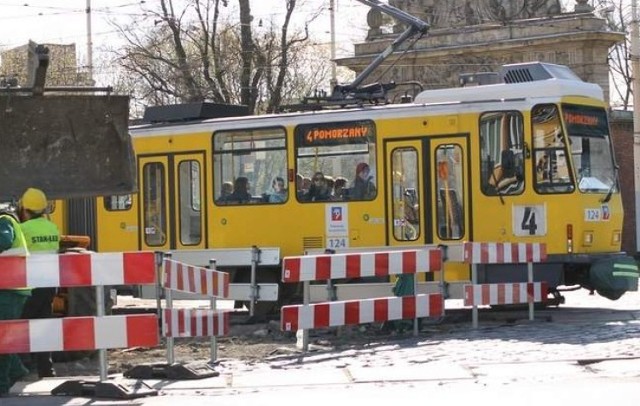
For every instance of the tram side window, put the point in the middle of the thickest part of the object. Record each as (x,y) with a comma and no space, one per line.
(117,202)
(551,170)
(450,197)
(336,161)
(406,194)
(501,153)
(250,167)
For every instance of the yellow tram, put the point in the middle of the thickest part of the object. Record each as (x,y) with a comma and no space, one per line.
(506,162)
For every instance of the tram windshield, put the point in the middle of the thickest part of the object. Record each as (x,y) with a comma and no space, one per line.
(590,146)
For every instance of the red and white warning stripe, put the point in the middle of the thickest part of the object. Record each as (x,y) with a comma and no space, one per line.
(504,253)
(323,267)
(505,293)
(193,279)
(194,323)
(353,312)
(78,333)
(69,270)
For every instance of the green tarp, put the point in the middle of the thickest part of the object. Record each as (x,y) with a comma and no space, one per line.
(612,277)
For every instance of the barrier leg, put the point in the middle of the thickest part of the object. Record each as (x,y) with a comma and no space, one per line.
(213,305)
(415,292)
(302,336)
(474,282)
(102,354)
(255,258)
(169,305)
(159,255)
(530,280)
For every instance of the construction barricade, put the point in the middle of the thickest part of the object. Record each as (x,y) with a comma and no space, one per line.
(476,253)
(82,333)
(352,312)
(182,323)
(229,258)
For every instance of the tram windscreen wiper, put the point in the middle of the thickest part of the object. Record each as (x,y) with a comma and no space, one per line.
(613,186)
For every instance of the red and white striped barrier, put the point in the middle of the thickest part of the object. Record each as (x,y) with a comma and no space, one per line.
(78,333)
(70,270)
(323,267)
(193,279)
(503,253)
(352,312)
(505,293)
(194,323)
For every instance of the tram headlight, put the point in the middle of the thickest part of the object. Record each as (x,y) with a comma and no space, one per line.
(616,238)
(587,238)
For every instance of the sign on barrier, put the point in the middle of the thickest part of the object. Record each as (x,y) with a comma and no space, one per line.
(194,279)
(77,269)
(78,333)
(194,323)
(505,293)
(353,312)
(502,253)
(323,267)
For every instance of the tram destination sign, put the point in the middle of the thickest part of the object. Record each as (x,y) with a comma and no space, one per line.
(348,132)
(585,120)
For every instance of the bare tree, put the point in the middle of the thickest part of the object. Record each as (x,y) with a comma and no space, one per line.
(197,51)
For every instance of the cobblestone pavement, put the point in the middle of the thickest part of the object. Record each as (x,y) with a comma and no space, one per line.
(586,351)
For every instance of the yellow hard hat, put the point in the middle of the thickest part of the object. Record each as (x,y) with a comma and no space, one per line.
(34,199)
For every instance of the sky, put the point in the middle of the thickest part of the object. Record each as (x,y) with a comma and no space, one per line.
(65,21)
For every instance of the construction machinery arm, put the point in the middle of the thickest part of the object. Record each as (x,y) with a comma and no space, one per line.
(72,143)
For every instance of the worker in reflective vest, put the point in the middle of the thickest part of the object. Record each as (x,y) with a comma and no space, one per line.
(12,242)
(42,237)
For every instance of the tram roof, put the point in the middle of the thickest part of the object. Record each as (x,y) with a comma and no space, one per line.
(543,88)
(441,100)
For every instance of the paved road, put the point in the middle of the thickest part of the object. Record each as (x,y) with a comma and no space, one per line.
(588,351)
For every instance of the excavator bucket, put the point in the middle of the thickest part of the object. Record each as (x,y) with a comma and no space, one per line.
(69,145)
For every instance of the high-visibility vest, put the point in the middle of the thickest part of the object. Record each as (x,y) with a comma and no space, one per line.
(41,235)
(19,247)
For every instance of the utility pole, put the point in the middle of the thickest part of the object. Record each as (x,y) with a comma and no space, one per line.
(332,9)
(635,66)
(89,44)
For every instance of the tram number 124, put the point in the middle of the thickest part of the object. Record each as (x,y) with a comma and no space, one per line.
(335,243)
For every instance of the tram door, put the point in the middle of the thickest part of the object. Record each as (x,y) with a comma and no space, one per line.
(172,190)
(405,202)
(428,195)
(428,180)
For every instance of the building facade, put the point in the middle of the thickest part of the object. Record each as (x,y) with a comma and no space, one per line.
(63,69)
